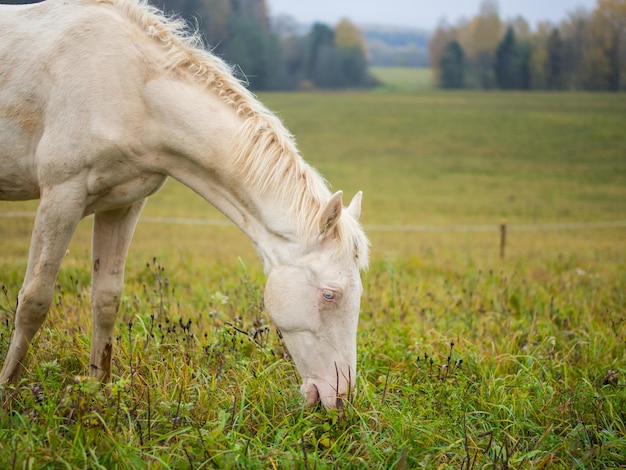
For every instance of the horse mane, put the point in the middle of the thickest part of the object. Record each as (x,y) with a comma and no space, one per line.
(266,155)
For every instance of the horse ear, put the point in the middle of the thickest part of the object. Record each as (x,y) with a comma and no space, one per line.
(354,208)
(331,214)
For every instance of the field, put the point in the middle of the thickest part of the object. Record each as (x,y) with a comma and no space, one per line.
(466,359)
(404,79)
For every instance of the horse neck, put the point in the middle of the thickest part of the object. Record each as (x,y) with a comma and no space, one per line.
(194,131)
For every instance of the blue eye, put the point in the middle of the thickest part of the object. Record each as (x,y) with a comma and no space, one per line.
(328,295)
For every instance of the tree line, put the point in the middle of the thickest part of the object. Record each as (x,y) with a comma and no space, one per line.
(272,54)
(587,51)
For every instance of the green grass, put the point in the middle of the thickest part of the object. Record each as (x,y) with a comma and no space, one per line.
(466,360)
(403,79)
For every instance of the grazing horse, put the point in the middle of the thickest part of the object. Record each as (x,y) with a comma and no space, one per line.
(101,101)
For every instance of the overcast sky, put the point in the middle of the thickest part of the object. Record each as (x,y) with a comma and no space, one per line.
(419,13)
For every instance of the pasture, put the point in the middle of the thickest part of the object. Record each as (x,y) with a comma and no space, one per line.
(404,79)
(466,359)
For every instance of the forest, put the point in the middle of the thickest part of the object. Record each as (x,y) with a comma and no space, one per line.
(585,51)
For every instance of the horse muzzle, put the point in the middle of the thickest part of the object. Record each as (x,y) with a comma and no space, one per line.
(330,394)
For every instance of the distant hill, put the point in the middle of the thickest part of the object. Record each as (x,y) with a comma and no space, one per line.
(396,46)
(388,46)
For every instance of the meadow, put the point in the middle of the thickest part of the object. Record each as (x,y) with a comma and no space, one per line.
(403,79)
(467,359)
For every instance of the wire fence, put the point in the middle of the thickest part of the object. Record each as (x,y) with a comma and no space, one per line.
(391,228)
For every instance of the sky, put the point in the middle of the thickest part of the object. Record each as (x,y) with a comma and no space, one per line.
(424,14)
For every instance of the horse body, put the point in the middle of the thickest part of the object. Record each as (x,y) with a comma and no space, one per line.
(101,101)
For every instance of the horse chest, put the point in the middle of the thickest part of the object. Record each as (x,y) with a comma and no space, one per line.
(18,178)
(107,192)
(17,187)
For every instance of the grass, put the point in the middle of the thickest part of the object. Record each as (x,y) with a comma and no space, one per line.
(403,79)
(466,360)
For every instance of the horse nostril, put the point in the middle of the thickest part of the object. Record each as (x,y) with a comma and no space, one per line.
(311,393)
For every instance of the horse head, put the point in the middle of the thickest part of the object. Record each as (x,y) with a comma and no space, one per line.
(314,300)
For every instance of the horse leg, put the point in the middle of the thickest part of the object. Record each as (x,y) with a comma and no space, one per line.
(57,216)
(112,234)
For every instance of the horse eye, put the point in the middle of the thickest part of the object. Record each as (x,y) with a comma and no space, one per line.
(328,295)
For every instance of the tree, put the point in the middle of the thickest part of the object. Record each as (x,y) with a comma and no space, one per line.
(609,22)
(512,66)
(596,67)
(486,28)
(215,21)
(252,47)
(352,50)
(539,56)
(293,50)
(521,28)
(575,33)
(327,71)
(348,35)
(256,52)
(320,37)
(442,37)
(506,61)
(353,67)
(453,66)
(554,72)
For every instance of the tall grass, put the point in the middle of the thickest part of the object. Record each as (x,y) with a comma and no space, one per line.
(466,360)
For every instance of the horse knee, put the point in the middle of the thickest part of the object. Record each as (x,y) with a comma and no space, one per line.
(105,305)
(33,304)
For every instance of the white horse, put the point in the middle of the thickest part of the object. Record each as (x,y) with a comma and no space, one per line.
(101,101)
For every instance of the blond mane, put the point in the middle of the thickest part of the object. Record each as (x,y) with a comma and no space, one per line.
(266,156)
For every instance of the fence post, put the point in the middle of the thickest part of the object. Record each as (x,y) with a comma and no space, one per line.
(502,238)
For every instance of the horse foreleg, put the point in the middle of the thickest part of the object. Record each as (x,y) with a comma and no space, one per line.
(112,234)
(55,222)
